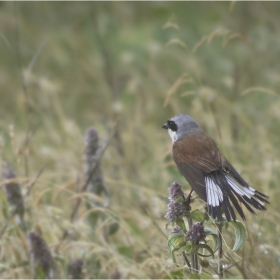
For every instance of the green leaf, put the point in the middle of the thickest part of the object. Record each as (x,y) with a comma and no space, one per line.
(5,205)
(240,234)
(206,216)
(113,225)
(194,249)
(208,231)
(208,248)
(92,218)
(209,222)
(226,224)
(179,199)
(194,276)
(204,263)
(39,272)
(184,248)
(175,239)
(215,237)
(205,276)
(134,227)
(125,250)
(112,228)
(197,215)
(176,274)
(180,223)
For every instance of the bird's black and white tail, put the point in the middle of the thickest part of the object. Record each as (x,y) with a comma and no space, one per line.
(222,190)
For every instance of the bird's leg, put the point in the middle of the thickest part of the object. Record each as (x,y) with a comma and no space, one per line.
(187,200)
(189,196)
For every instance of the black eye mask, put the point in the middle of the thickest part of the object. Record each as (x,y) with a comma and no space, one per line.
(172,125)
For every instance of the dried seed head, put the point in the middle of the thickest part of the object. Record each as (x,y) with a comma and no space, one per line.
(12,190)
(91,147)
(197,232)
(175,191)
(75,269)
(96,184)
(41,258)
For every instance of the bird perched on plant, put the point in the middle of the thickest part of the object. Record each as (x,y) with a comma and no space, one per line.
(208,172)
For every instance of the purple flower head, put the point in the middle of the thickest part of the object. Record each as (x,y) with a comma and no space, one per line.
(91,143)
(197,232)
(75,269)
(96,184)
(175,191)
(176,229)
(175,211)
(12,190)
(41,257)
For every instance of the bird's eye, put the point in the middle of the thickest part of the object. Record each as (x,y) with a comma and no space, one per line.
(172,125)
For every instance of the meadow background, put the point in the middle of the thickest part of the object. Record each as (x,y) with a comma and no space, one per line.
(68,66)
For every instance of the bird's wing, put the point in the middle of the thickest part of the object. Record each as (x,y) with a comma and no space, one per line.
(213,178)
(195,156)
(199,150)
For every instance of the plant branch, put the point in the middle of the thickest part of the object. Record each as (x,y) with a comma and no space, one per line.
(186,259)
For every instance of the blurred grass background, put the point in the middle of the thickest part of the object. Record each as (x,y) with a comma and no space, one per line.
(92,63)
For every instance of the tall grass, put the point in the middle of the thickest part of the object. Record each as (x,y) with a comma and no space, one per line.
(68,66)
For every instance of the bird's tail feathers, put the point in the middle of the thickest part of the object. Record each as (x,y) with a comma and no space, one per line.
(223,190)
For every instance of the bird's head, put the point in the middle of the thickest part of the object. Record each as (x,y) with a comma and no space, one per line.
(180,126)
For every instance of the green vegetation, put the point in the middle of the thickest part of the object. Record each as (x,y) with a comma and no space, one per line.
(68,66)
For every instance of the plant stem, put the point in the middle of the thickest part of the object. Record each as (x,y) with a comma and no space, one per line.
(194,257)
(195,261)
(186,260)
(220,250)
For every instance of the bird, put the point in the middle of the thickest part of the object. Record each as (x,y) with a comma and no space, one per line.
(209,173)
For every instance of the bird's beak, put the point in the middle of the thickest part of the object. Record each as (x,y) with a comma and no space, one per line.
(165,126)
